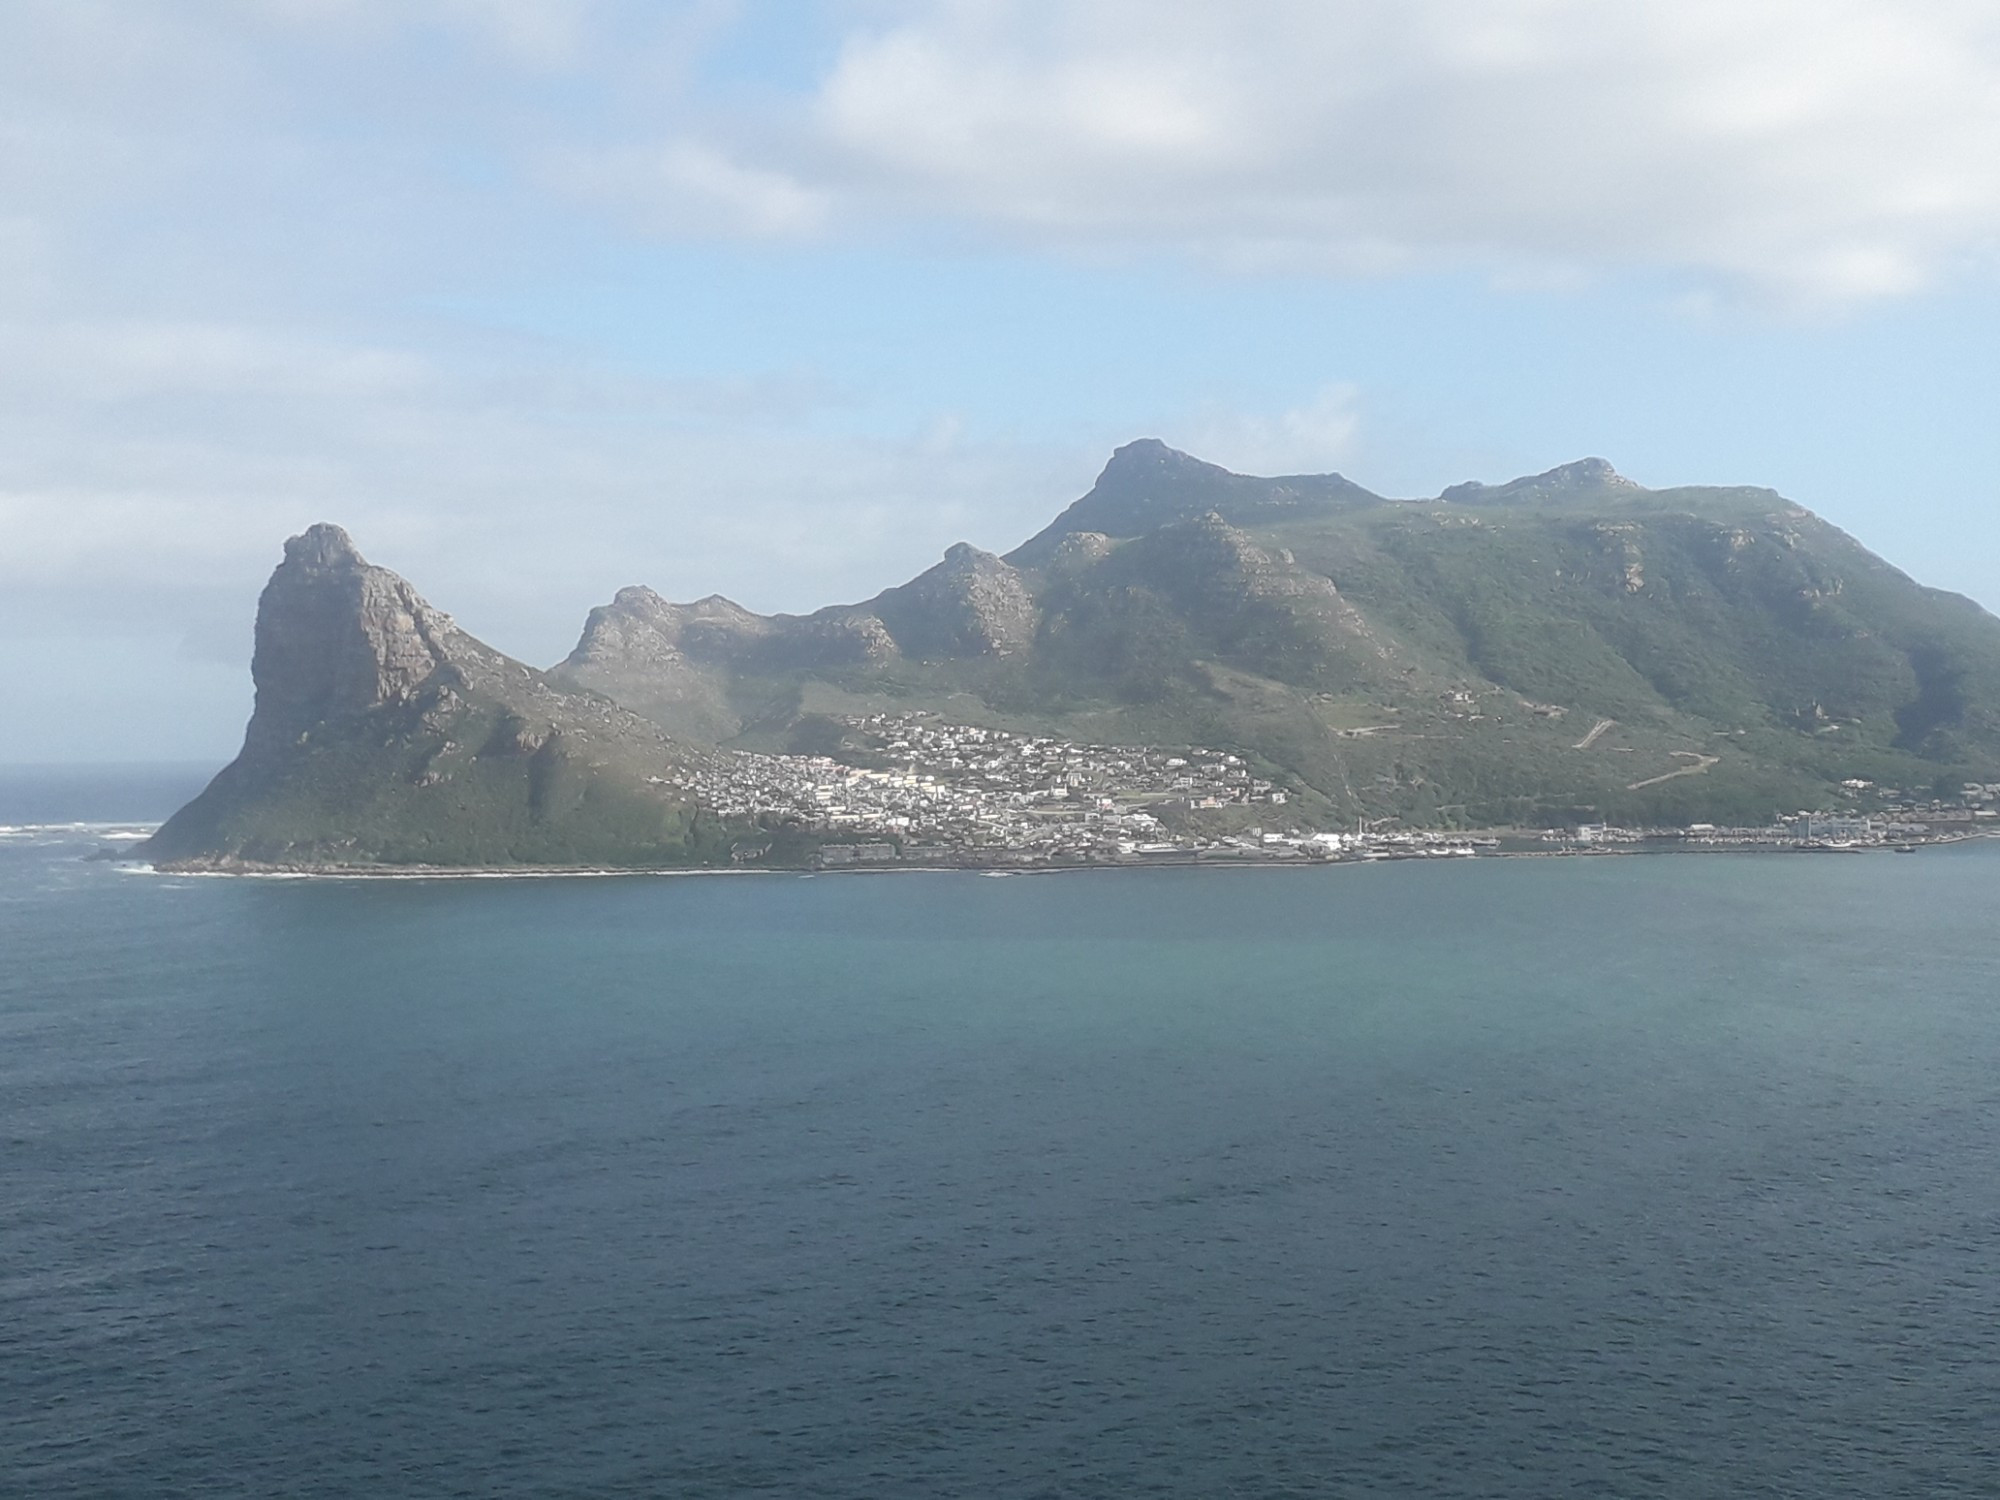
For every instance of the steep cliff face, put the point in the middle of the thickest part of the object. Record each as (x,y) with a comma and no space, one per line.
(385,735)
(337,638)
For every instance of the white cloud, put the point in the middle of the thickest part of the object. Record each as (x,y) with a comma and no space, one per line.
(542,33)
(102,361)
(1820,151)
(688,188)
(1315,437)
(538,34)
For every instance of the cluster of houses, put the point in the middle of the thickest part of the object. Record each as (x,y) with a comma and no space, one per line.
(918,788)
(911,788)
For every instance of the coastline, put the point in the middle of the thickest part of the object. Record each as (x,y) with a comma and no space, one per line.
(251,871)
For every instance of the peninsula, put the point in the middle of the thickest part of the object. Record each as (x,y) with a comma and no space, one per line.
(1186,663)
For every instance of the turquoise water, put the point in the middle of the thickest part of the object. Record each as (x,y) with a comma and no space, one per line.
(1671,1176)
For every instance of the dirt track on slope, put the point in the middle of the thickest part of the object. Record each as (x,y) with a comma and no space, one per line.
(1701,764)
(1595,730)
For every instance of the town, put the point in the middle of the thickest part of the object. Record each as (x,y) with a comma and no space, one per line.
(913,789)
(919,789)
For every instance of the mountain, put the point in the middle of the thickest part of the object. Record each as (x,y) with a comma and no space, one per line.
(1567,645)
(1147,485)
(385,735)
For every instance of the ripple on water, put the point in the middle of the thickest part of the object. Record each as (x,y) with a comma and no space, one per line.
(1668,1177)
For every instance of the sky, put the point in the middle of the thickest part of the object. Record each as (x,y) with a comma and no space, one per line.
(540,298)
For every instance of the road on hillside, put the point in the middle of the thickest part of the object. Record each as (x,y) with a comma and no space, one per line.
(1701,763)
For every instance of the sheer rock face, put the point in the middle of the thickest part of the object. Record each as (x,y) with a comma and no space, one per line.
(970,604)
(337,637)
(670,662)
(639,636)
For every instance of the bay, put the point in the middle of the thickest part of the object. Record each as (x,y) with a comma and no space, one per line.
(1637,1176)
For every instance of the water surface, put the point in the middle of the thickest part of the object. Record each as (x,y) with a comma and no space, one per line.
(1651,1176)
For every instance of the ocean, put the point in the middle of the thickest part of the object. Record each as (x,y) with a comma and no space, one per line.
(1646,1176)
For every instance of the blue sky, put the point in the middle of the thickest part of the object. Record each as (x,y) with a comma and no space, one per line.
(544,297)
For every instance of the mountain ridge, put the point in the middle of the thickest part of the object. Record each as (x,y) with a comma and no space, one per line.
(1177,601)
(1725,651)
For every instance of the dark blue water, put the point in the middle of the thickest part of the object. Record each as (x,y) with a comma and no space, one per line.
(1674,1176)
(55,794)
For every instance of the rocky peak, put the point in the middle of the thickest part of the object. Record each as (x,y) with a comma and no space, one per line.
(1209,543)
(337,637)
(1585,476)
(638,598)
(1147,485)
(963,557)
(639,628)
(1148,460)
(970,604)
(636,625)
(1587,471)
(323,545)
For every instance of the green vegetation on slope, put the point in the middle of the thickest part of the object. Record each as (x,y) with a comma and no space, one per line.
(1443,661)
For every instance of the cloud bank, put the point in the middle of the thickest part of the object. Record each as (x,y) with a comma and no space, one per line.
(1823,151)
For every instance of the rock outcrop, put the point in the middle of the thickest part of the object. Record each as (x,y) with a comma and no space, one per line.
(670,662)
(639,626)
(385,735)
(1147,485)
(970,604)
(1587,479)
(337,638)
